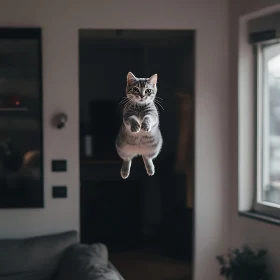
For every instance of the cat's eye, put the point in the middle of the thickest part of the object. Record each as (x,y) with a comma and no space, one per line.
(148,91)
(135,89)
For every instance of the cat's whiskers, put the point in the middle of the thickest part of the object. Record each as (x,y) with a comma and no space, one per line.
(157,102)
(125,99)
(129,103)
(157,107)
(124,102)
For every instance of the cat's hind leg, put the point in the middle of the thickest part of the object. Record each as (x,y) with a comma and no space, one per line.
(149,157)
(126,165)
(152,150)
(149,165)
(125,170)
(127,159)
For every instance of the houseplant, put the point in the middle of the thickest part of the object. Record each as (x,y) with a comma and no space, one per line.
(244,264)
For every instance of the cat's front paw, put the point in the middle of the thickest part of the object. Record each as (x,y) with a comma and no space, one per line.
(135,127)
(146,126)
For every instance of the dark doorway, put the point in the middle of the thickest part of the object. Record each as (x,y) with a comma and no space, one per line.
(154,214)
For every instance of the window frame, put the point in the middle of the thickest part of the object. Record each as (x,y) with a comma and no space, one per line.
(268,209)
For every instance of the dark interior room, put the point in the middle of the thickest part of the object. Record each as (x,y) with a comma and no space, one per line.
(141,219)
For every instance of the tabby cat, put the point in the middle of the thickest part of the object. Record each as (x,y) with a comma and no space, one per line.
(139,133)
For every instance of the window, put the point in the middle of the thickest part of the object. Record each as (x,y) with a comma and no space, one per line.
(267,196)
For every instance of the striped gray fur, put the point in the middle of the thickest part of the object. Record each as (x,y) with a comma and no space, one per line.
(139,133)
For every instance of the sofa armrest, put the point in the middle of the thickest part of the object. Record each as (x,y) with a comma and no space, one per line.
(87,262)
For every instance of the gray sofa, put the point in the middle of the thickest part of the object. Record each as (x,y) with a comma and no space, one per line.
(54,257)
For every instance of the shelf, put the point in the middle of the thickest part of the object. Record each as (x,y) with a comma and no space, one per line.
(107,161)
(92,161)
(13,109)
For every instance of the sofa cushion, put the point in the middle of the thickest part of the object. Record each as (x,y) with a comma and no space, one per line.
(35,258)
(87,262)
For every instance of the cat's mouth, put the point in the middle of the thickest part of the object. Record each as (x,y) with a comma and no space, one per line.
(142,101)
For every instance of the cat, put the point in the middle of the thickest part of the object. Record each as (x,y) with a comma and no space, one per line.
(139,133)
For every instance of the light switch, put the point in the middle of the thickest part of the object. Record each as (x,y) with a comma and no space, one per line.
(59,191)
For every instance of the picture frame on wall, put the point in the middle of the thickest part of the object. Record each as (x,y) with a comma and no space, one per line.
(21,114)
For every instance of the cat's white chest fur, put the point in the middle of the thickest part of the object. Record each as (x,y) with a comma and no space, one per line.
(141,140)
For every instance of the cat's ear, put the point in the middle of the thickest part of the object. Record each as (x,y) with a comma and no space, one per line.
(130,77)
(153,80)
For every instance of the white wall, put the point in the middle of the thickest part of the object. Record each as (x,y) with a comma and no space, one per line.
(244,230)
(60,21)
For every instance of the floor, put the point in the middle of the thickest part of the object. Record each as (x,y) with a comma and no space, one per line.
(143,265)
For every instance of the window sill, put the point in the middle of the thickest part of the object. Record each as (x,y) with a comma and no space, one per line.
(260,217)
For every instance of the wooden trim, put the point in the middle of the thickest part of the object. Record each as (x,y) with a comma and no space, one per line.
(185,158)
